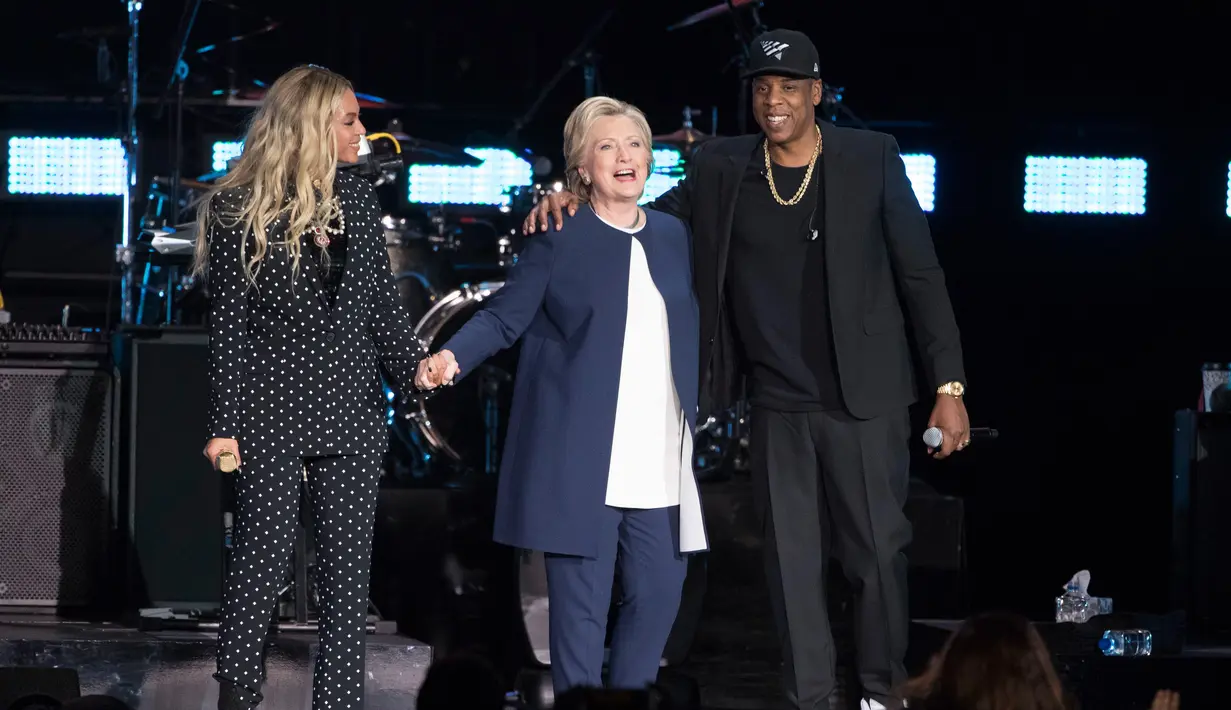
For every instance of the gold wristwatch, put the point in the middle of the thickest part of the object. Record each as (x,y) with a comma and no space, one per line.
(953,389)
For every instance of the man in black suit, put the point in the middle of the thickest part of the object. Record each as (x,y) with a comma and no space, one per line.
(808,240)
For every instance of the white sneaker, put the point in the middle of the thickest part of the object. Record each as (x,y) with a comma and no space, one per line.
(868,704)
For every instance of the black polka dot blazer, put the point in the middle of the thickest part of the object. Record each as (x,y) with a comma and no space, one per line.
(289,375)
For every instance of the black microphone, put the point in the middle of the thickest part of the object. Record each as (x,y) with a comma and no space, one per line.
(934,437)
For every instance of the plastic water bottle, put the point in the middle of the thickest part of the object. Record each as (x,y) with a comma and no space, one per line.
(1137,642)
(1073,607)
(1076,607)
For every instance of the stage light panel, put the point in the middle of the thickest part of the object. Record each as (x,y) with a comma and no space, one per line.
(921,169)
(668,171)
(222,153)
(1229,189)
(484,184)
(1075,185)
(667,158)
(53,165)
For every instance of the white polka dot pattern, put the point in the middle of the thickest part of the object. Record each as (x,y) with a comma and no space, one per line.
(298,383)
(289,374)
(343,500)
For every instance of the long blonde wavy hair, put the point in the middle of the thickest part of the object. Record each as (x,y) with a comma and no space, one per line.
(287,166)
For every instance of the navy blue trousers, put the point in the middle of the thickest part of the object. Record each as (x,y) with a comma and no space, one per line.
(645,545)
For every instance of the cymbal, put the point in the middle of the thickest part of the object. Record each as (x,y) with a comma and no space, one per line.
(420,151)
(253,97)
(719,9)
(685,138)
(95,33)
(166,182)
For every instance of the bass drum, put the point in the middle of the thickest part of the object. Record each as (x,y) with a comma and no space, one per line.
(420,272)
(466,423)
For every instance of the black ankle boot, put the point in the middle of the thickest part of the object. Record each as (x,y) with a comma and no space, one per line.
(236,697)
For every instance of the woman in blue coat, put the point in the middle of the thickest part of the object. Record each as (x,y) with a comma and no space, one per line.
(597,465)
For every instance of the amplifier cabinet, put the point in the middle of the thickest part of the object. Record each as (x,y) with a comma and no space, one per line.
(55,483)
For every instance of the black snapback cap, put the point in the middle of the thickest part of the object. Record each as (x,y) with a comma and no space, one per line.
(783,53)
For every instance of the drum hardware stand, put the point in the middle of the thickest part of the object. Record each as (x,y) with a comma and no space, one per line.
(132,157)
(490,385)
(741,60)
(583,56)
(300,593)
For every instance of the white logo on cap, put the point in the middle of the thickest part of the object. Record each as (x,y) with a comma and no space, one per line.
(816,67)
(774,49)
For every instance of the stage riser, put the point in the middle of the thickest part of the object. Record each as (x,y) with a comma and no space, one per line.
(176,674)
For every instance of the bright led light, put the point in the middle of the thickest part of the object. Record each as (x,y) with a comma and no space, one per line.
(484,184)
(1085,185)
(1229,189)
(665,158)
(223,152)
(44,165)
(921,169)
(668,171)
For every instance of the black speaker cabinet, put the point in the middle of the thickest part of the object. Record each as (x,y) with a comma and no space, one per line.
(1201,528)
(172,497)
(55,473)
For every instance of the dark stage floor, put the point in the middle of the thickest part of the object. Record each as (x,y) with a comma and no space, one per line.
(734,658)
(735,663)
(172,670)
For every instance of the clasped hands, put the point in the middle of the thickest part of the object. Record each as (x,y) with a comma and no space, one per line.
(436,370)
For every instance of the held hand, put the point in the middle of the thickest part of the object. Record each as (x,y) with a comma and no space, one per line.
(216,447)
(554,205)
(949,415)
(436,370)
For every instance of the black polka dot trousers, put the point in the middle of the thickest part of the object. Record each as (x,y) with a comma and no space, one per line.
(343,493)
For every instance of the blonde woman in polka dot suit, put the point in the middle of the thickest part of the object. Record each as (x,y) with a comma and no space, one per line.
(303,316)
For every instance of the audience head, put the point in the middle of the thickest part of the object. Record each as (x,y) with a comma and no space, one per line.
(461,681)
(610,699)
(96,702)
(992,662)
(35,702)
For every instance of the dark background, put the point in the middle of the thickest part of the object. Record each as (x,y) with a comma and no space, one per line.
(1083,334)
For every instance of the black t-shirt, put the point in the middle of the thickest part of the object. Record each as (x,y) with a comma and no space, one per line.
(777,290)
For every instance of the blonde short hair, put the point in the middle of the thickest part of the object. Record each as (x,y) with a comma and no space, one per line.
(577,129)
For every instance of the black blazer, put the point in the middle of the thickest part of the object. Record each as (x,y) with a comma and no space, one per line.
(878,256)
(288,374)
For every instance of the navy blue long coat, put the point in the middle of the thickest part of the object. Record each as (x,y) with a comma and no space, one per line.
(567,300)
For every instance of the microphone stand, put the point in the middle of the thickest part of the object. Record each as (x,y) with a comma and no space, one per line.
(179,75)
(744,37)
(132,157)
(582,56)
(831,105)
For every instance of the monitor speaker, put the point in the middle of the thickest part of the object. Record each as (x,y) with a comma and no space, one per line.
(1201,529)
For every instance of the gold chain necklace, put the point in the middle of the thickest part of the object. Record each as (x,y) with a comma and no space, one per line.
(799,194)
